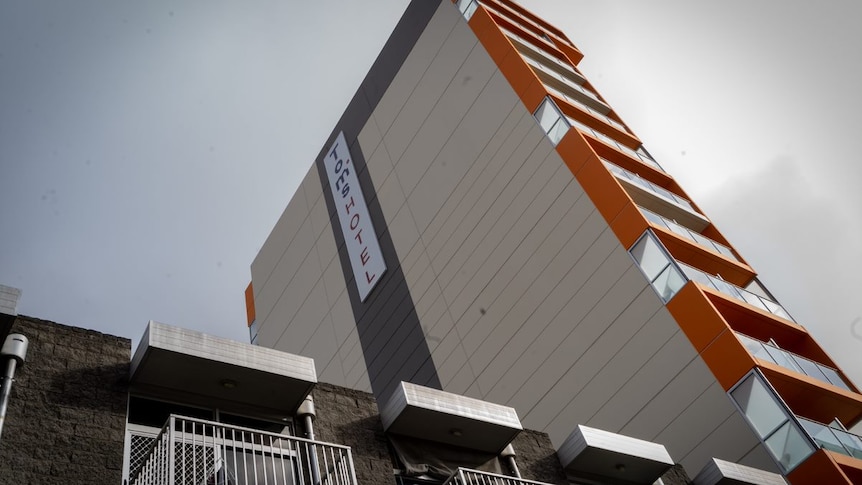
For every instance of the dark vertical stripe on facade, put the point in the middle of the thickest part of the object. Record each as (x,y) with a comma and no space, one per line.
(392,339)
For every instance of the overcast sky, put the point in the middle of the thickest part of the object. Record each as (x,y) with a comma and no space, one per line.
(148,148)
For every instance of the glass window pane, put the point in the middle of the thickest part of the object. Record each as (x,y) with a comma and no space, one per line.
(789,446)
(558,130)
(759,406)
(547,115)
(650,257)
(668,282)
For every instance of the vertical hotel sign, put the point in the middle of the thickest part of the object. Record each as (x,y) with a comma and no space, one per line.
(359,236)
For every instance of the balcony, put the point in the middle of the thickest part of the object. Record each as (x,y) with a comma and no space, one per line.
(573,82)
(687,233)
(791,361)
(734,291)
(833,439)
(466,476)
(191,451)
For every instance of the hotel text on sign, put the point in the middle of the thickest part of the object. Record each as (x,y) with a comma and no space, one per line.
(359,236)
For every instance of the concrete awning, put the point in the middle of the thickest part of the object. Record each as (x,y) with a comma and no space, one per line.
(720,472)
(431,414)
(194,368)
(613,458)
(8,309)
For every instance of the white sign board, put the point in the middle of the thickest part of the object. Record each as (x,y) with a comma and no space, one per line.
(359,236)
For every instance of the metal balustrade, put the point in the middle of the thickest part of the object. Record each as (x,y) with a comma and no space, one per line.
(794,362)
(832,439)
(466,476)
(645,184)
(191,451)
(687,233)
(734,291)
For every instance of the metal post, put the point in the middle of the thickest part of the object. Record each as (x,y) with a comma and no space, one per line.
(15,352)
(307,413)
(509,455)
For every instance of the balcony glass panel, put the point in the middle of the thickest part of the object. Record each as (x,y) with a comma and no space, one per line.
(851,442)
(687,233)
(794,362)
(808,367)
(833,439)
(734,291)
(834,378)
(755,348)
(650,187)
(784,359)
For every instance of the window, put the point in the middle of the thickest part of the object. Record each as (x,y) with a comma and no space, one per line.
(552,121)
(771,421)
(657,266)
(467,7)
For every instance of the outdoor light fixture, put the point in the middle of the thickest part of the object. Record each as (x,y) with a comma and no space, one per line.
(14,353)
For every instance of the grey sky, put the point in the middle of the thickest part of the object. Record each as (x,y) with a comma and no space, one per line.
(147,148)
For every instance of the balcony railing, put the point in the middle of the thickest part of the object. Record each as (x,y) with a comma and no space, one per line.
(791,361)
(734,291)
(568,82)
(833,439)
(191,451)
(466,476)
(645,184)
(687,233)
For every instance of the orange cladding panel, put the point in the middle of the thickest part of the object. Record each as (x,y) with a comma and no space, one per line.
(819,469)
(575,150)
(696,316)
(602,187)
(728,359)
(629,225)
(249,304)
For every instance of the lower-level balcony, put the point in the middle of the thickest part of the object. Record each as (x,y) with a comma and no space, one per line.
(833,439)
(191,451)
(466,476)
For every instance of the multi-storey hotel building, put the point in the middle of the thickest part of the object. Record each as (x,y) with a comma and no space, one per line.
(482,222)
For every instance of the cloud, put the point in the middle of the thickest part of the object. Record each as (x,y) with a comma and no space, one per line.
(803,239)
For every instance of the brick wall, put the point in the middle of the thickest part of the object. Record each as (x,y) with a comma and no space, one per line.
(66,417)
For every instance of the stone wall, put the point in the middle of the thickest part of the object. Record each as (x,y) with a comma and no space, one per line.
(349,417)
(67,411)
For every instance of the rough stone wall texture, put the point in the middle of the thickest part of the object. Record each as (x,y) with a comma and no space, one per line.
(537,459)
(67,411)
(676,476)
(349,417)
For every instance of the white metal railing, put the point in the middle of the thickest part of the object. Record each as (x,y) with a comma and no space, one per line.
(662,192)
(734,291)
(687,233)
(789,360)
(191,451)
(466,476)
